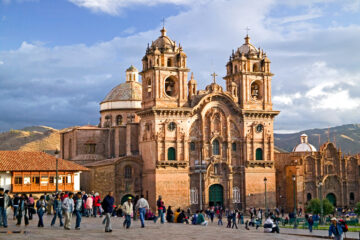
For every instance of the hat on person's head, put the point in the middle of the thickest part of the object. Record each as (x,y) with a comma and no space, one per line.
(333,219)
(129,198)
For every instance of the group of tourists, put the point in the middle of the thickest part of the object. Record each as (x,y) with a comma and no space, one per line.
(81,204)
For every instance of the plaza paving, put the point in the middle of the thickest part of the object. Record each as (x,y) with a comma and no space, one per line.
(92,228)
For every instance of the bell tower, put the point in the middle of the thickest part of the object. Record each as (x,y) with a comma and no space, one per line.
(163,142)
(248,68)
(164,74)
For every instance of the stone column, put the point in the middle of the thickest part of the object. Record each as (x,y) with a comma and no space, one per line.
(116,142)
(128,139)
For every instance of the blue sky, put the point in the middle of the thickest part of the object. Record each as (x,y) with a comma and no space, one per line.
(59,58)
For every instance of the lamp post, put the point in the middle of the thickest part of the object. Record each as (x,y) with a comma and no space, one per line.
(294,181)
(321,203)
(200,180)
(265,180)
(57,170)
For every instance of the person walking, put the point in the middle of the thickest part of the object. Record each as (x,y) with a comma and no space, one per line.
(220,218)
(41,207)
(15,204)
(233,215)
(23,210)
(335,229)
(57,211)
(310,223)
(78,210)
(142,205)
(4,204)
(161,209)
(108,206)
(31,206)
(68,207)
(128,211)
(89,205)
(97,204)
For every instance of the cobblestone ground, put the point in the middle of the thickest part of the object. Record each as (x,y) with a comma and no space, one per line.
(92,228)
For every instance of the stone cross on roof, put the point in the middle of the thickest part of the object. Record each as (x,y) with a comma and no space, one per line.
(214,76)
(247,30)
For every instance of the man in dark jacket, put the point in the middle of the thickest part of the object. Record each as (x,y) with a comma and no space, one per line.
(108,206)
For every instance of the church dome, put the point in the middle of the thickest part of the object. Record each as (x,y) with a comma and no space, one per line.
(247,48)
(163,42)
(127,95)
(304,145)
(128,91)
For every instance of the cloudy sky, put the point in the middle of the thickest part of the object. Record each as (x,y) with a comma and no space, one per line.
(59,58)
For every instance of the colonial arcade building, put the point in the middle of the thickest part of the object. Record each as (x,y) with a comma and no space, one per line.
(165,137)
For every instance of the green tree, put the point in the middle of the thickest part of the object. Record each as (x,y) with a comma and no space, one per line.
(357,209)
(314,206)
(328,208)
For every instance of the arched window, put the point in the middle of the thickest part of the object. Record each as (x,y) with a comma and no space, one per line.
(233,147)
(236,69)
(171,153)
(259,154)
(119,120)
(192,146)
(194,196)
(216,169)
(127,172)
(169,62)
(236,195)
(215,146)
(308,197)
(149,88)
(352,196)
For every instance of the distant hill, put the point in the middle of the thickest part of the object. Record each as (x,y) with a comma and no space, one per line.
(42,138)
(347,138)
(37,138)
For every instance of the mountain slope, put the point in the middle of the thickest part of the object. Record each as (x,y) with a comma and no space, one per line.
(347,137)
(37,138)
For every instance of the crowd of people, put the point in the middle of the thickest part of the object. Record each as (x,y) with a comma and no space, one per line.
(81,204)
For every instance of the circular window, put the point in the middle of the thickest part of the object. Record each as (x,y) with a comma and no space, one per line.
(170,85)
(172,126)
(259,128)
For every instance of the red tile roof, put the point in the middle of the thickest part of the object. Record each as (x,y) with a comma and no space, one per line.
(34,161)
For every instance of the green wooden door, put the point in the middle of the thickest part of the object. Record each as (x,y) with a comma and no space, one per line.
(216,195)
(259,154)
(332,198)
(171,154)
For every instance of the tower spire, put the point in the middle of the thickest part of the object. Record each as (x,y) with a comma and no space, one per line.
(163,30)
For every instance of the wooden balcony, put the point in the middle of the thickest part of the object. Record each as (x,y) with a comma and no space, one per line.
(31,182)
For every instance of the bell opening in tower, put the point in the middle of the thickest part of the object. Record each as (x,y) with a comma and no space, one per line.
(170,87)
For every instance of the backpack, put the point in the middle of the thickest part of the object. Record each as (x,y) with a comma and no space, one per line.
(345,227)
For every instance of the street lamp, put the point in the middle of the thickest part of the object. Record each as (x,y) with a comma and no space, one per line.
(200,179)
(57,170)
(294,181)
(321,203)
(265,180)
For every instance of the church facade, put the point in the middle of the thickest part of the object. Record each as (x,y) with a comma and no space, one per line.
(195,148)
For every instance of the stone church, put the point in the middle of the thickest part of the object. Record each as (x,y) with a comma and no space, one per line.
(163,136)
(310,173)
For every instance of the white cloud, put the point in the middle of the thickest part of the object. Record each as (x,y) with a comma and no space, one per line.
(114,7)
(1,62)
(316,67)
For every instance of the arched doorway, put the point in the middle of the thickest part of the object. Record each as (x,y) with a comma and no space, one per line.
(125,198)
(332,198)
(216,195)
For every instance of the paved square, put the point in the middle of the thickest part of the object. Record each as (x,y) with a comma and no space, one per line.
(92,228)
